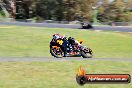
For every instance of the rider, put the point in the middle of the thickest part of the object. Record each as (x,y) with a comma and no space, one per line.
(65,45)
(72,41)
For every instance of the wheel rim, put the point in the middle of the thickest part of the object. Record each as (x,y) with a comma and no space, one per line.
(58,52)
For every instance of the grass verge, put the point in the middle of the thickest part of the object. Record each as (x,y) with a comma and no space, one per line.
(17,41)
(58,74)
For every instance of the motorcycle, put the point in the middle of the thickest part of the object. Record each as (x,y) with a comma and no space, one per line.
(86,25)
(78,50)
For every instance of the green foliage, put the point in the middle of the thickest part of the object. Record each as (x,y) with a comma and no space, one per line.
(65,9)
(70,10)
(128,16)
(2,14)
(46,8)
(117,11)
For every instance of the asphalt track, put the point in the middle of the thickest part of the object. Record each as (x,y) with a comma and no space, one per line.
(49,59)
(72,26)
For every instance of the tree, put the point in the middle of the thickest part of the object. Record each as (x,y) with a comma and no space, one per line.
(103,10)
(59,10)
(129,5)
(46,8)
(115,11)
(70,9)
(86,8)
(65,9)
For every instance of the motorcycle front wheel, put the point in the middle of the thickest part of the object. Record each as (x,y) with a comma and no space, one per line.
(56,52)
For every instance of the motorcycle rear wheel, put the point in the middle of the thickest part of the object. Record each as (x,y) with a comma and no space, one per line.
(86,55)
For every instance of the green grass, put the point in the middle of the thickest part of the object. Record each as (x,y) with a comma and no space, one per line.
(17,41)
(58,74)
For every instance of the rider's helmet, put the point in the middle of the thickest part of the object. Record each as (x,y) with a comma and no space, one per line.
(57,36)
(71,40)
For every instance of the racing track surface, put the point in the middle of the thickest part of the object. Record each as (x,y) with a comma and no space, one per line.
(73,26)
(49,59)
